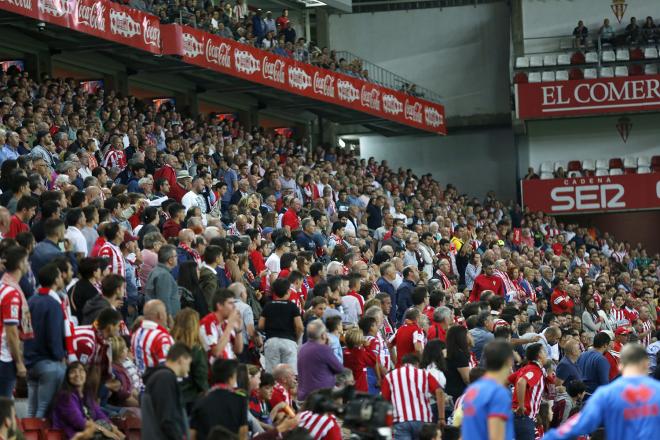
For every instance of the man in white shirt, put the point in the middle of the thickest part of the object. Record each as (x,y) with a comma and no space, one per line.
(194,197)
(273,261)
(75,221)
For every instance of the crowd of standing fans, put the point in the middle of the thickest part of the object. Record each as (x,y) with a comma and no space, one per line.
(219,281)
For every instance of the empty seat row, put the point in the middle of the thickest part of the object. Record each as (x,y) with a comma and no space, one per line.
(601,167)
(588,73)
(565,59)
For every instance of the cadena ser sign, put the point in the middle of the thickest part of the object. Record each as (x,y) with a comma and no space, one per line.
(588,97)
(593,194)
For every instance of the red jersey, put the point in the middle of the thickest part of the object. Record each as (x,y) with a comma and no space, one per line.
(16,226)
(409,389)
(631,315)
(320,426)
(357,360)
(280,394)
(561,303)
(360,299)
(428,312)
(210,332)
(10,314)
(405,339)
(535,377)
(485,282)
(115,258)
(150,344)
(290,218)
(437,332)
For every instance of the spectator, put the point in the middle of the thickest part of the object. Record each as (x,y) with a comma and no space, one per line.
(481,334)
(186,331)
(649,30)
(633,33)
(221,331)
(15,319)
(45,353)
(410,387)
(458,360)
(593,366)
(75,408)
(25,210)
(150,341)
(529,384)
(221,406)
(567,369)
(48,249)
(405,290)
(7,417)
(581,33)
(161,284)
(409,338)
(113,290)
(607,33)
(282,325)
(163,414)
(317,352)
(568,400)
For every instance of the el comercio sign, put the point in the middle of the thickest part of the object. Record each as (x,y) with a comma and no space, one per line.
(587,97)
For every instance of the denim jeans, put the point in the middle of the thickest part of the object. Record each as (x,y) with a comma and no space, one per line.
(372,381)
(524,428)
(7,379)
(407,430)
(44,379)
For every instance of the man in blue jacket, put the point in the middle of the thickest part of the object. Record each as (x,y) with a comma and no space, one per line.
(405,290)
(629,407)
(386,285)
(45,354)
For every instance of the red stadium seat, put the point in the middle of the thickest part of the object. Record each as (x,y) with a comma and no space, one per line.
(577,58)
(616,163)
(32,435)
(575,74)
(34,424)
(520,78)
(635,70)
(630,171)
(655,164)
(574,165)
(54,434)
(636,54)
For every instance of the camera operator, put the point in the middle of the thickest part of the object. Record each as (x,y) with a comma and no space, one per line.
(318,417)
(409,388)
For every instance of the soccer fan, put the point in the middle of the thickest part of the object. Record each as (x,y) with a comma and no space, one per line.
(318,421)
(409,388)
(151,341)
(627,408)
(221,331)
(409,338)
(592,363)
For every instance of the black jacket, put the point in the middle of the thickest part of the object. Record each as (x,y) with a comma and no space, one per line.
(163,413)
(81,293)
(93,308)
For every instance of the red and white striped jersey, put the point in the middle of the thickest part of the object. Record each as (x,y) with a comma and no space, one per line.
(631,314)
(114,158)
(534,374)
(115,258)
(647,326)
(320,426)
(409,389)
(83,344)
(619,317)
(150,344)
(379,347)
(210,332)
(10,314)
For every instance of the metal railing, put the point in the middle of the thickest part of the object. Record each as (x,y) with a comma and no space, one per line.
(385,78)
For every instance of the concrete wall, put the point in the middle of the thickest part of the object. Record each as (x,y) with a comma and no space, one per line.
(476,163)
(462,53)
(588,138)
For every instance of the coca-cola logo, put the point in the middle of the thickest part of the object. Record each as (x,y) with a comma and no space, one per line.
(56,8)
(299,79)
(432,116)
(273,70)
(151,34)
(245,62)
(391,104)
(123,24)
(324,84)
(90,15)
(220,54)
(191,46)
(346,91)
(413,112)
(22,4)
(370,98)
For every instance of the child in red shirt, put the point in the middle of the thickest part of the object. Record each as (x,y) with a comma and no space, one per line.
(357,358)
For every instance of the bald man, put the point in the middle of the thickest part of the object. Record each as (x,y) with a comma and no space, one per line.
(567,370)
(151,341)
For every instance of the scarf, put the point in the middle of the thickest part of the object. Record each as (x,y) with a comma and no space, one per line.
(192,252)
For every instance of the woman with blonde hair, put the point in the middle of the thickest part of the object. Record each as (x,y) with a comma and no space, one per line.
(186,331)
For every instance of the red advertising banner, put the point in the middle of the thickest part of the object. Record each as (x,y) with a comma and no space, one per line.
(100,18)
(576,195)
(588,97)
(134,28)
(236,59)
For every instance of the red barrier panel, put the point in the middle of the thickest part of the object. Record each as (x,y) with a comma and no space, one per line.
(628,192)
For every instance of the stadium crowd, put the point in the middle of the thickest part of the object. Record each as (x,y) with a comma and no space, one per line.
(217,281)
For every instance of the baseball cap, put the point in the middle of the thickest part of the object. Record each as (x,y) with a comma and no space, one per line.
(622,331)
